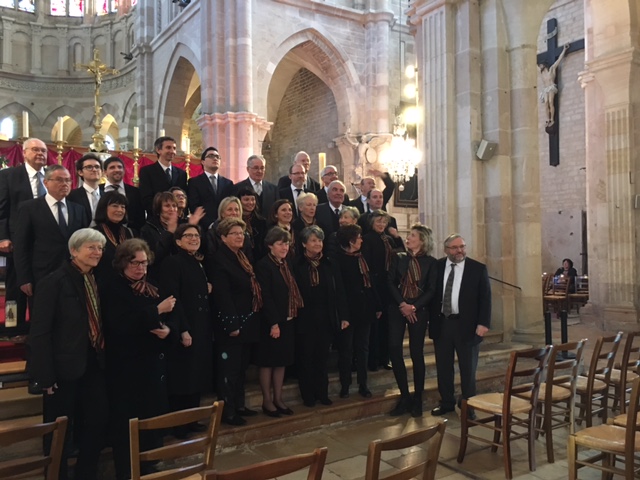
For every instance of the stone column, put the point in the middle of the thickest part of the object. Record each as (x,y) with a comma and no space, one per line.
(63,50)
(36,49)
(7,34)
(244,65)
(144,33)
(612,121)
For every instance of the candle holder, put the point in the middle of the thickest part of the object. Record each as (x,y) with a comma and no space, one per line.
(59,146)
(136,154)
(187,161)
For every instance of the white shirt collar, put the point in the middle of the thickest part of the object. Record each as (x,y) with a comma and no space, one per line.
(32,171)
(89,189)
(52,201)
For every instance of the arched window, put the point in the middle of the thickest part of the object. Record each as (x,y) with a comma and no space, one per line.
(7,128)
(104,7)
(71,8)
(22,5)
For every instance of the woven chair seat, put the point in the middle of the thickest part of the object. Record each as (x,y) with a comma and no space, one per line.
(610,438)
(492,403)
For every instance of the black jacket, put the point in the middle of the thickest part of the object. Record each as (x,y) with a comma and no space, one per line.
(426,285)
(201,195)
(153,179)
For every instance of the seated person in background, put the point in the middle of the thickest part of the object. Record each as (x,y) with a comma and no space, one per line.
(568,271)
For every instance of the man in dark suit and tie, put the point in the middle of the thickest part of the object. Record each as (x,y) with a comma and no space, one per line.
(89,169)
(310,185)
(459,317)
(329,174)
(208,189)
(369,183)
(328,214)
(114,171)
(17,185)
(267,192)
(161,175)
(298,176)
(44,227)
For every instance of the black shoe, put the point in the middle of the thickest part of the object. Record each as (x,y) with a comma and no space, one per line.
(364,391)
(387,366)
(271,413)
(344,392)
(309,403)
(236,420)
(326,401)
(284,411)
(440,410)
(401,407)
(246,412)
(416,408)
(196,427)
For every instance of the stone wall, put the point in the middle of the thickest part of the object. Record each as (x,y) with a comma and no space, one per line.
(563,188)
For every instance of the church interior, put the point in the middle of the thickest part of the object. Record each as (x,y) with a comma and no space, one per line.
(448,96)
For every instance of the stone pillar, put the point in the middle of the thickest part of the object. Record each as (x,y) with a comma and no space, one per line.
(612,117)
(244,65)
(144,33)
(63,50)
(36,49)
(7,52)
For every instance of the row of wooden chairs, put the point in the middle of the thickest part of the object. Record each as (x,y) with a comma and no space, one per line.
(201,450)
(558,293)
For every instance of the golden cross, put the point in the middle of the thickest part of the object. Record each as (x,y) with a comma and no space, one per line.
(97,69)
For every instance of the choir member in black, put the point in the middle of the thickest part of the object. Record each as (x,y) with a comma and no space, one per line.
(364,308)
(159,228)
(190,362)
(282,301)
(182,202)
(238,300)
(230,207)
(348,216)
(281,215)
(111,219)
(323,315)
(138,334)
(412,284)
(378,248)
(256,223)
(307,204)
(67,353)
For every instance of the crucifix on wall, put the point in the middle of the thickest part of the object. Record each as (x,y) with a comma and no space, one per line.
(548,63)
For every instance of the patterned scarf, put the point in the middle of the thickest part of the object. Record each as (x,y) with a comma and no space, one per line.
(247,219)
(314,263)
(111,236)
(142,288)
(411,278)
(255,286)
(388,251)
(93,309)
(295,299)
(364,268)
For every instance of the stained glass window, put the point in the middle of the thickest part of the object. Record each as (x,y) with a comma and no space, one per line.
(76,7)
(114,5)
(59,7)
(7,3)
(27,6)
(7,127)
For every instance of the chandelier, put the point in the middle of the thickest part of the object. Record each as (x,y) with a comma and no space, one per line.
(402,157)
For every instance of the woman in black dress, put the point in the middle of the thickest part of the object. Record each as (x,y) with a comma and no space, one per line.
(324,314)
(256,223)
(138,333)
(190,363)
(364,308)
(281,303)
(412,284)
(111,220)
(238,300)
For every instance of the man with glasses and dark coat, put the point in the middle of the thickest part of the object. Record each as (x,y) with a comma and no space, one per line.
(206,190)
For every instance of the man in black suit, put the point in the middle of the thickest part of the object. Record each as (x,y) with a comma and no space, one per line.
(369,183)
(89,169)
(298,177)
(329,174)
(44,227)
(208,189)
(460,316)
(310,185)
(114,171)
(161,175)
(328,214)
(267,192)
(17,185)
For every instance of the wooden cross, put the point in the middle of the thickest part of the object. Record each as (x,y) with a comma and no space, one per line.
(554,51)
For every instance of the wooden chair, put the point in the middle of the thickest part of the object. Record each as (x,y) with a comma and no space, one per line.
(613,441)
(625,372)
(593,389)
(515,407)
(580,297)
(19,468)
(276,468)
(556,399)
(204,445)
(425,470)
(557,296)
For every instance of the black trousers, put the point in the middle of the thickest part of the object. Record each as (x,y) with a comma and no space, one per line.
(353,338)
(232,363)
(312,347)
(417,332)
(448,343)
(84,402)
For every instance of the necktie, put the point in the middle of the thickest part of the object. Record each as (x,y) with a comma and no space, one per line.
(337,210)
(94,200)
(168,170)
(40,186)
(298,190)
(62,223)
(214,184)
(115,187)
(258,188)
(368,208)
(446,301)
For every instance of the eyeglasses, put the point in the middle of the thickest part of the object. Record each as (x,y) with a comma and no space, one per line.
(92,167)
(179,195)
(60,180)
(460,247)
(38,150)
(136,263)
(331,174)
(235,234)
(257,168)
(212,155)
(191,236)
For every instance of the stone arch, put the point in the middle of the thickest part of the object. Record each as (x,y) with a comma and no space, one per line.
(180,81)
(14,110)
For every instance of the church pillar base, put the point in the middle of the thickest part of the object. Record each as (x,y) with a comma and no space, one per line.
(532,336)
(611,318)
